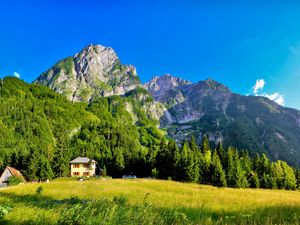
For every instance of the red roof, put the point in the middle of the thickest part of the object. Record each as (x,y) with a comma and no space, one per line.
(15,172)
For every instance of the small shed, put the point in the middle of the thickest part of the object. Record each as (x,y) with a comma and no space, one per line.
(8,172)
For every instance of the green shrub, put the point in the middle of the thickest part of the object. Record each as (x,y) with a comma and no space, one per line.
(4,210)
(154,173)
(39,190)
(14,180)
(121,200)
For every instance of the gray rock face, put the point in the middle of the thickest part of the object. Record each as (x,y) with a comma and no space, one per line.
(247,122)
(95,71)
(158,86)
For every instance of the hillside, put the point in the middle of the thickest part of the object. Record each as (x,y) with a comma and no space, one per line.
(146,202)
(41,131)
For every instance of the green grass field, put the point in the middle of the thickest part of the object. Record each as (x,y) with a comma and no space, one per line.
(146,202)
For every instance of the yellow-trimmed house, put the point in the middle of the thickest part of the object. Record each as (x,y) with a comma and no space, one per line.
(83,167)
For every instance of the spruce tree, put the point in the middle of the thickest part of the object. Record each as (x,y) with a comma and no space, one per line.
(241,179)
(236,176)
(222,154)
(206,152)
(230,170)
(173,156)
(263,171)
(187,168)
(193,145)
(218,174)
(297,175)
(45,171)
(276,175)
(254,181)
(200,165)
(289,179)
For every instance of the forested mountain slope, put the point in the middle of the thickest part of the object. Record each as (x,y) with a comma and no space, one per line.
(41,131)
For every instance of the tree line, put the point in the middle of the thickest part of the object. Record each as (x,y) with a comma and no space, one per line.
(222,168)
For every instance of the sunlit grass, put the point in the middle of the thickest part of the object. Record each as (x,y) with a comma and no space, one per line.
(199,202)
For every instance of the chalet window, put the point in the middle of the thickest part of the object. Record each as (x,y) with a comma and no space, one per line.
(76,165)
(86,173)
(86,166)
(76,173)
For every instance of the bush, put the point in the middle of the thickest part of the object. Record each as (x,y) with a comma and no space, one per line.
(14,180)
(39,190)
(120,200)
(3,211)
(154,173)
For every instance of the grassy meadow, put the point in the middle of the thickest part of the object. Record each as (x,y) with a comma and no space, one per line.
(141,201)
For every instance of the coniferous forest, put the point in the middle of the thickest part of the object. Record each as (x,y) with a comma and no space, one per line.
(41,131)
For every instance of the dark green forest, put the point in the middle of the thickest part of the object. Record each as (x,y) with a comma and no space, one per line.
(41,131)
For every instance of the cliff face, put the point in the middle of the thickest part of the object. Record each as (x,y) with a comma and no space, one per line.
(247,122)
(95,71)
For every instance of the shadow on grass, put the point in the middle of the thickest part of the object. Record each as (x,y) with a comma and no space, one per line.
(280,214)
(40,201)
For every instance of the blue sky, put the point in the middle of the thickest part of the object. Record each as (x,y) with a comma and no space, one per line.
(234,43)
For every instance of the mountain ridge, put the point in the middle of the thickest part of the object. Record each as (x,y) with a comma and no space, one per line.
(204,108)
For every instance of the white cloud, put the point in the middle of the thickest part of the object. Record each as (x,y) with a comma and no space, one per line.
(276,97)
(259,85)
(17,75)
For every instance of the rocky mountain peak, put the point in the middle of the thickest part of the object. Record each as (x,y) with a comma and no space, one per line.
(212,84)
(95,71)
(159,85)
(96,56)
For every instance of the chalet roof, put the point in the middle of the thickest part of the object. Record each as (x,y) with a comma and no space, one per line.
(14,171)
(82,160)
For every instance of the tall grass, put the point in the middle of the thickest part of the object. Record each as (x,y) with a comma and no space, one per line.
(165,202)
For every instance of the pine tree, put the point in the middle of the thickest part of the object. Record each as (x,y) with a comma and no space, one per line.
(205,147)
(289,179)
(45,171)
(200,165)
(297,175)
(187,168)
(206,152)
(218,174)
(104,172)
(174,156)
(193,145)
(241,179)
(222,154)
(254,181)
(246,164)
(236,176)
(255,163)
(230,170)
(276,175)
(263,171)
(167,159)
